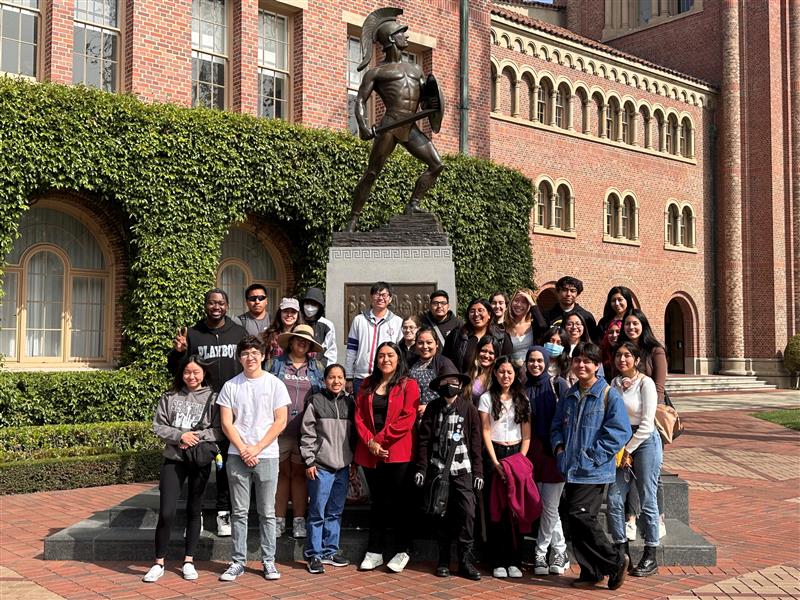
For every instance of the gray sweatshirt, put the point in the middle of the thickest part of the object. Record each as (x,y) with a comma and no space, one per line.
(179,412)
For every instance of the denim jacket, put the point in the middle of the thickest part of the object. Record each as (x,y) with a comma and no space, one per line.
(278,366)
(590,433)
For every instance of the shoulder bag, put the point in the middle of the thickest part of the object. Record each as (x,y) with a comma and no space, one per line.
(437,481)
(667,421)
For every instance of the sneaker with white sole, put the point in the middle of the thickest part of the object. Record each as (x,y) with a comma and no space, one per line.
(630,530)
(336,560)
(559,563)
(500,573)
(154,574)
(223,523)
(232,572)
(280,526)
(540,566)
(514,572)
(299,527)
(398,562)
(188,571)
(372,560)
(270,571)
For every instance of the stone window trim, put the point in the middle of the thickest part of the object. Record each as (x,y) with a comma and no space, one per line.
(624,17)
(621,217)
(30,9)
(680,227)
(554,202)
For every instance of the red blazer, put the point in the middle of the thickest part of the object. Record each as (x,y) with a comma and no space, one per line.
(397,436)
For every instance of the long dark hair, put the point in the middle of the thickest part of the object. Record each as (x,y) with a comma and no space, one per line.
(522,408)
(177,381)
(608,310)
(374,380)
(562,360)
(585,335)
(647,340)
(468,324)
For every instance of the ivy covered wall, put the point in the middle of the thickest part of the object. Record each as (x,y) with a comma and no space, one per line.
(183,176)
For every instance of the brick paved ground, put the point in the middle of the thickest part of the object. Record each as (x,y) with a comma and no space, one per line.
(745,483)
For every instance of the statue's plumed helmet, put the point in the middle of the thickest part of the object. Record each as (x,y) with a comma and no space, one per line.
(386,30)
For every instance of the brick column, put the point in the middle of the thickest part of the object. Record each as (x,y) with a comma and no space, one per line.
(244,59)
(58,34)
(730,303)
(794,78)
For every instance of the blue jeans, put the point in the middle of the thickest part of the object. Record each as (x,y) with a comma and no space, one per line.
(646,469)
(264,476)
(327,493)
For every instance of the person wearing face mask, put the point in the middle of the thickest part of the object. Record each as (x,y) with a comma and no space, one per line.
(313,309)
(554,341)
(452,424)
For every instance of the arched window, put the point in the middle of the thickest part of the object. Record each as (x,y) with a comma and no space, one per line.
(543,102)
(543,204)
(673,226)
(672,135)
(687,225)
(661,130)
(686,144)
(564,200)
(613,214)
(612,119)
(560,121)
(246,260)
(628,224)
(57,285)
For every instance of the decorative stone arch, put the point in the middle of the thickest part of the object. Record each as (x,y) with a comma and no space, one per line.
(591,68)
(654,87)
(569,61)
(684,96)
(687,135)
(612,206)
(613,117)
(672,216)
(624,78)
(664,91)
(688,223)
(613,74)
(568,219)
(509,76)
(527,93)
(681,333)
(693,99)
(673,93)
(580,65)
(645,112)
(493,37)
(545,98)
(599,108)
(505,41)
(634,80)
(544,54)
(494,83)
(660,128)
(630,205)
(543,201)
(630,119)
(556,56)
(602,71)
(519,45)
(645,83)
(531,49)
(581,92)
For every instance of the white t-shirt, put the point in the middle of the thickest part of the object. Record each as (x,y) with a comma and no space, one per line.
(504,429)
(254,402)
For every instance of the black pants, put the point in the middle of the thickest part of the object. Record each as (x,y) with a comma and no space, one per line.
(504,538)
(173,474)
(458,522)
(594,553)
(388,491)
(223,491)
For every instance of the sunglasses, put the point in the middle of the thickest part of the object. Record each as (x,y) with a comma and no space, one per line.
(256,298)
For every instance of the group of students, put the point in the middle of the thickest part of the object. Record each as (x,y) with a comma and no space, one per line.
(520,412)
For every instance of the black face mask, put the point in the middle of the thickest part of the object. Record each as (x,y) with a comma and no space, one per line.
(450,390)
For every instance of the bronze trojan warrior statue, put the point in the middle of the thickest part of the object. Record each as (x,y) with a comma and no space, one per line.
(403,89)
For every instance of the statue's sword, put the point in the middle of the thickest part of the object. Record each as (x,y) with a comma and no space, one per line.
(404,121)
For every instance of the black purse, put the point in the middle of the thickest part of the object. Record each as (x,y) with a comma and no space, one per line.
(203,453)
(437,482)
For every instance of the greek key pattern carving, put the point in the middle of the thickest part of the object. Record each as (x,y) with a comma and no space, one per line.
(378,253)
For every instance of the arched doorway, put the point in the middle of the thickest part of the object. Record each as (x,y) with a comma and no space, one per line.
(675,337)
(546,299)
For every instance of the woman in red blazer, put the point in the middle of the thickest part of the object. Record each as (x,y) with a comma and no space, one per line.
(386,408)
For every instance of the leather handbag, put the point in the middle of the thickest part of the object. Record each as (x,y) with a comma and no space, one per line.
(668,421)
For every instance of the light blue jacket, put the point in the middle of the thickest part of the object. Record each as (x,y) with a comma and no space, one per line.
(590,433)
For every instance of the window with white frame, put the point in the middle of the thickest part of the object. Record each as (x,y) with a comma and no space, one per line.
(245,260)
(543,204)
(96,45)
(19,37)
(274,76)
(679,227)
(209,53)
(56,287)
(353,81)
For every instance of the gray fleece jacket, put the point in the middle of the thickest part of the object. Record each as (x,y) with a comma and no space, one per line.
(327,432)
(179,412)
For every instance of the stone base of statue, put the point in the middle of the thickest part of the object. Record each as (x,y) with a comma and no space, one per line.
(411,252)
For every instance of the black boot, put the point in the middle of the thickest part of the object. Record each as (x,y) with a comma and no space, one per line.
(648,565)
(466,568)
(624,548)
(443,564)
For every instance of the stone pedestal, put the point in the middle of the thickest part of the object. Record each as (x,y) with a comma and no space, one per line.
(411,252)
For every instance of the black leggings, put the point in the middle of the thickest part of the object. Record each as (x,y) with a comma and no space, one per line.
(173,474)
(389,492)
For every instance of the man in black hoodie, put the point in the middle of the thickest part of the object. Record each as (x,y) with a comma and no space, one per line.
(214,340)
(440,318)
(568,289)
(313,309)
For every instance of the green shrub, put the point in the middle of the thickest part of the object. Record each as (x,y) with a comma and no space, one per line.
(25,477)
(181,177)
(41,398)
(791,355)
(59,441)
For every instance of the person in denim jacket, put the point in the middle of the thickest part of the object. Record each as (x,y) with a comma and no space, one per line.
(590,426)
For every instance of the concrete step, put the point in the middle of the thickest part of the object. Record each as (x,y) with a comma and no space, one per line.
(685,384)
(91,541)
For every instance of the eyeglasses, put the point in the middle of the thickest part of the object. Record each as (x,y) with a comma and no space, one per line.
(256,298)
(381,295)
(250,353)
(573,325)
(569,290)
(479,311)
(439,303)
(409,328)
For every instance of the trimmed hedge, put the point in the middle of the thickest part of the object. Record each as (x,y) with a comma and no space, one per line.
(181,177)
(41,398)
(25,477)
(791,355)
(59,441)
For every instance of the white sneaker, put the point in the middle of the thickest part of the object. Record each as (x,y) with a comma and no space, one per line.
(232,572)
(630,530)
(662,528)
(500,573)
(280,526)
(372,560)
(398,562)
(154,574)
(514,572)
(223,523)
(299,527)
(188,571)
(270,571)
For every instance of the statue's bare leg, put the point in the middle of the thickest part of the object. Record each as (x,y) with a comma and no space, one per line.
(381,149)
(425,152)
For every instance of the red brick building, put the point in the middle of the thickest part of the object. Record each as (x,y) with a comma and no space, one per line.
(661,136)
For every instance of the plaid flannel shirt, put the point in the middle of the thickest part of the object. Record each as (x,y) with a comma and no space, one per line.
(441,444)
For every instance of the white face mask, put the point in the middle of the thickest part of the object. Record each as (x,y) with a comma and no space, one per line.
(310,310)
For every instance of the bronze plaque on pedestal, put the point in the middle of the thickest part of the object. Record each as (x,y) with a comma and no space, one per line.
(408,299)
